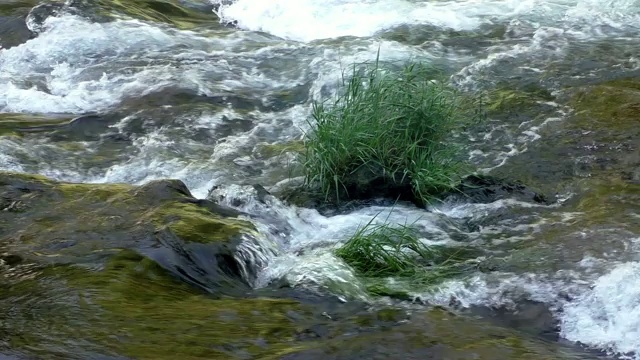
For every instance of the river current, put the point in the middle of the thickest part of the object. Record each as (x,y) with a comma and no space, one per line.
(214,99)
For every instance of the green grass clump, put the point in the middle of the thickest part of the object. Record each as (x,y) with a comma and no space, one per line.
(381,251)
(393,126)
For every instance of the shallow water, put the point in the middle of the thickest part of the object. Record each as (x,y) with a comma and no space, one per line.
(203,97)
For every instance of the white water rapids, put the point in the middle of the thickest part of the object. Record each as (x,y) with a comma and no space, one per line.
(77,66)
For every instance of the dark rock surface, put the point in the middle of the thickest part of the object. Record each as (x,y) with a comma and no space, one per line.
(487,189)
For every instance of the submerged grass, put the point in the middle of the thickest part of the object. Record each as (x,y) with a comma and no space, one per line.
(393,125)
(381,250)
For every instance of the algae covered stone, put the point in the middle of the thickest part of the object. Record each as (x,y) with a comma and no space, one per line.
(180,14)
(62,223)
(132,308)
(439,334)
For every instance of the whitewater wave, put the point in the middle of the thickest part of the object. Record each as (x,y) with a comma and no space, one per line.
(608,315)
(308,20)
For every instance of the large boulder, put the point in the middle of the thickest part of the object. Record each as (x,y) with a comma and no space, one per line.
(48,222)
(116,271)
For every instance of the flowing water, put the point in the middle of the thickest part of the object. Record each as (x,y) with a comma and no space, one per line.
(212,94)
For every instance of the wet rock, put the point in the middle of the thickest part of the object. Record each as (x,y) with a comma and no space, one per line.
(13,31)
(229,127)
(132,308)
(261,193)
(528,316)
(439,334)
(368,186)
(10,260)
(64,223)
(180,14)
(370,182)
(91,127)
(39,14)
(294,192)
(486,189)
(19,124)
(474,189)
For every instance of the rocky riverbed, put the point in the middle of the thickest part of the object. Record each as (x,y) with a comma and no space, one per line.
(132,135)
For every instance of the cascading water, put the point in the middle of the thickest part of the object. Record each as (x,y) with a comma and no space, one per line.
(205,105)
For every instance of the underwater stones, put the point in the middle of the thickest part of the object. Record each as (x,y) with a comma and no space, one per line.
(605,122)
(266,150)
(440,334)
(49,222)
(19,124)
(486,189)
(132,308)
(512,101)
(525,315)
(616,102)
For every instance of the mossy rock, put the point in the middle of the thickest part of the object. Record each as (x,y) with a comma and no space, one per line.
(133,308)
(608,200)
(509,101)
(17,8)
(602,135)
(271,150)
(171,12)
(18,124)
(143,272)
(62,223)
(439,334)
(615,104)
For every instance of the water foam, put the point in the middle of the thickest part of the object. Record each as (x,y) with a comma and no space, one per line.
(305,239)
(608,315)
(78,66)
(63,69)
(307,20)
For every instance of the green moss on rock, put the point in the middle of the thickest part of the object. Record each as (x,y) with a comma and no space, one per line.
(510,100)
(132,308)
(114,260)
(17,8)
(272,150)
(616,103)
(163,11)
(63,221)
(439,334)
(607,200)
(20,124)
(157,317)
(195,224)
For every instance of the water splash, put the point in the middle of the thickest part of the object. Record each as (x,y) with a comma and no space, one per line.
(608,315)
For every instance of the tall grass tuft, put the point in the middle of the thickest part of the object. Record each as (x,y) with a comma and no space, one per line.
(382,250)
(388,126)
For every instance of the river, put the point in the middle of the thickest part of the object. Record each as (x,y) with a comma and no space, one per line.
(212,93)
